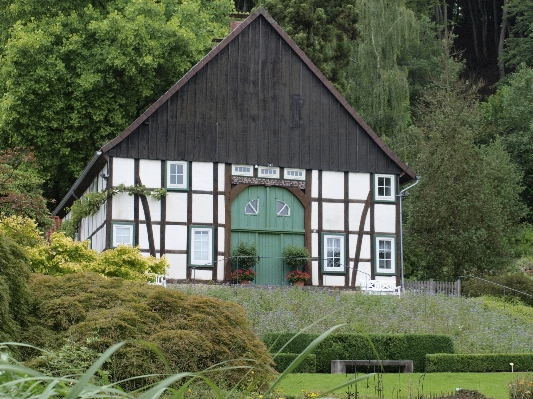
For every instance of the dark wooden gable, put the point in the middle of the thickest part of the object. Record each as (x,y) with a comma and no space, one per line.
(257,99)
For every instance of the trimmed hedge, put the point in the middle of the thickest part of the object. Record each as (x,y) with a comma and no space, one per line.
(283,360)
(519,281)
(478,363)
(357,346)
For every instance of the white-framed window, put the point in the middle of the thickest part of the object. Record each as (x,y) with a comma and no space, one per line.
(282,209)
(268,171)
(123,234)
(177,175)
(201,246)
(294,174)
(242,170)
(384,188)
(252,207)
(385,255)
(333,253)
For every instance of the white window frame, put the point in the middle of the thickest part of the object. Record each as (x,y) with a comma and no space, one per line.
(325,267)
(234,172)
(387,198)
(268,175)
(381,270)
(201,262)
(182,186)
(256,210)
(129,226)
(287,176)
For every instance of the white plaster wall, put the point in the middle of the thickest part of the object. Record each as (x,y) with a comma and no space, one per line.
(176,207)
(333,281)
(332,216)
(314,184)
(221,176)
(202,208)
(314,272)
(314,215)
(150,173)
(176,237)
(143,236)
(356,210)
(123,207)
(363,274)
(333,185)
(385,218)
(221,210)
(178,266)
(98,240)
(314,245)
(202,176)
(155,209)
(123,171)
(220,268)
(365,246)
(359,185)
(221,236)
(203,275)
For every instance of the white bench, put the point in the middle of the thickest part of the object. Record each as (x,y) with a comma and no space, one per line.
(380,287)
(160,279)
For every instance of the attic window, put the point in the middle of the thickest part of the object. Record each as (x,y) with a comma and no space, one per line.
(242,170)
(294,174)
(252,208)
(270,172)
(283,209)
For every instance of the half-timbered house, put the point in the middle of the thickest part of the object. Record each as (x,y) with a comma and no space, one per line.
(252,144)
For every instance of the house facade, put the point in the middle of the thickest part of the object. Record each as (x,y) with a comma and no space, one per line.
(253,144)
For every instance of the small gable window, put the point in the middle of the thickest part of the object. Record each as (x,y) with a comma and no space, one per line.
(282,209)
(294,174)
(177,175)
(242,170)
(252,207)
(269,172)
(384,188)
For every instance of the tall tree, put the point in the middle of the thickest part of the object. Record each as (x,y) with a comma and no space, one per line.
(520,43)
(72,79)
(462,215)
(323,29)
(508,114)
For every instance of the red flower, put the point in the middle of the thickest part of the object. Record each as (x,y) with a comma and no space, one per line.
(243,274)
(298,275)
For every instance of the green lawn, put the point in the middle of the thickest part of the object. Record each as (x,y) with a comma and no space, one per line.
(409,385)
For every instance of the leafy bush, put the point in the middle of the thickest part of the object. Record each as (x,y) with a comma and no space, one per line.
(295,256)
(357,346)
(479,363)
(15,297)
(64,255)
(283,360)
(518,281)
(245,255)
(193,332)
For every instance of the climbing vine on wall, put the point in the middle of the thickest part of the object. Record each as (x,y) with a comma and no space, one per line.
(90,203)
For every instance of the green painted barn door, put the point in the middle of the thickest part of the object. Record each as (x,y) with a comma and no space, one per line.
(272,217)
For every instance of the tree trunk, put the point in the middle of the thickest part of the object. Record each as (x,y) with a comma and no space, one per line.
(474,27)
(501,62)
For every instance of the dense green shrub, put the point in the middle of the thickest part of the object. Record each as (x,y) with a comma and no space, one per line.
(518,281)
(193,332)
(14,293)
(295,256)
(245,255)
(362,347)
(479,363)
(283,360)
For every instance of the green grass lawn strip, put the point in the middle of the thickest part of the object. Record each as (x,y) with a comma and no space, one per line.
(492,385)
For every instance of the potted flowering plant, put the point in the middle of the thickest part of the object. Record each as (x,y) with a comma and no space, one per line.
(298,277)
(295,257)
(244,276)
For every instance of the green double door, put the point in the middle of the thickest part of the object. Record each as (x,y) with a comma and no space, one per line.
(270,217)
